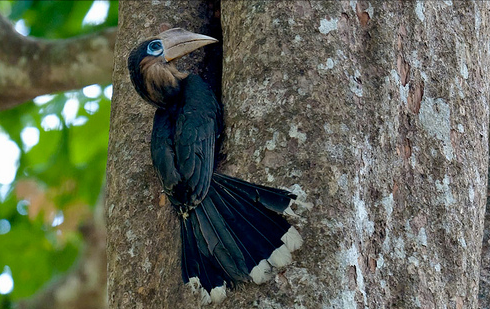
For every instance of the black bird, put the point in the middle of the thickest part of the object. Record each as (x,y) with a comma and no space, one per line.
(231,230)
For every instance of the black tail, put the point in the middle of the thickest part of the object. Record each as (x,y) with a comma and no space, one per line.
(236,234)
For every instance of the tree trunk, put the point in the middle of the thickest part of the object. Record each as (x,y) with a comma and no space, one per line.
(485,261)
(375,114)
(143,249)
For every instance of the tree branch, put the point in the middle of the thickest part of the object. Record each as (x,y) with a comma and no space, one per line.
(30,67)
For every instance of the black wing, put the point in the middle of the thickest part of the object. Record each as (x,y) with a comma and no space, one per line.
(162,151)
(196,130)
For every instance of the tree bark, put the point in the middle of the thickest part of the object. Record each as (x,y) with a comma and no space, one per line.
(143,248)
(377,114)
(30,67)
(485,261)
(374,113)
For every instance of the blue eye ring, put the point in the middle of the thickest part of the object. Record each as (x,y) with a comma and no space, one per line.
(155,48)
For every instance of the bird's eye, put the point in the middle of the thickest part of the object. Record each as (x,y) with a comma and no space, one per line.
(155,48)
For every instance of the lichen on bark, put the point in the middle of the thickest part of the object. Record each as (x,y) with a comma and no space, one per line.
(376,91)
(374,113)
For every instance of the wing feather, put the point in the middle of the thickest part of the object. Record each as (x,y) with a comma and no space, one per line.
(195,136)
(162,151)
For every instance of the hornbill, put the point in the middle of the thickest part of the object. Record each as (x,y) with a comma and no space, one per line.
(231,230)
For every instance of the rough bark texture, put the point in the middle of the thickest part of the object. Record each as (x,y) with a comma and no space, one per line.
(143,233)
(484,296)
(374,113)
(31,67)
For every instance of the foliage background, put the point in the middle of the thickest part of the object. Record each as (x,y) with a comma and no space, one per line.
(60,179)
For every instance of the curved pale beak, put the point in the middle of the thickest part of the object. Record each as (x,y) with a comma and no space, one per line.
(178,42)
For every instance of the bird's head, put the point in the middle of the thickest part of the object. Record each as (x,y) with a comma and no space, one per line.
(151,63)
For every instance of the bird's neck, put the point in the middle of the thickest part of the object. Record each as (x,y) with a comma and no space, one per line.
(163,82)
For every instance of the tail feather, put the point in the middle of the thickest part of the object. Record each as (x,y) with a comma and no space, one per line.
(272,198)
(210,246)
(224,246)
(230,220)
(254,208)
(195,262)
(200,269)
(236,234)
(258,227)
(257,239)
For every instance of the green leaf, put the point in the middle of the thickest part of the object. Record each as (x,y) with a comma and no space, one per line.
(19,8)
(32,259)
